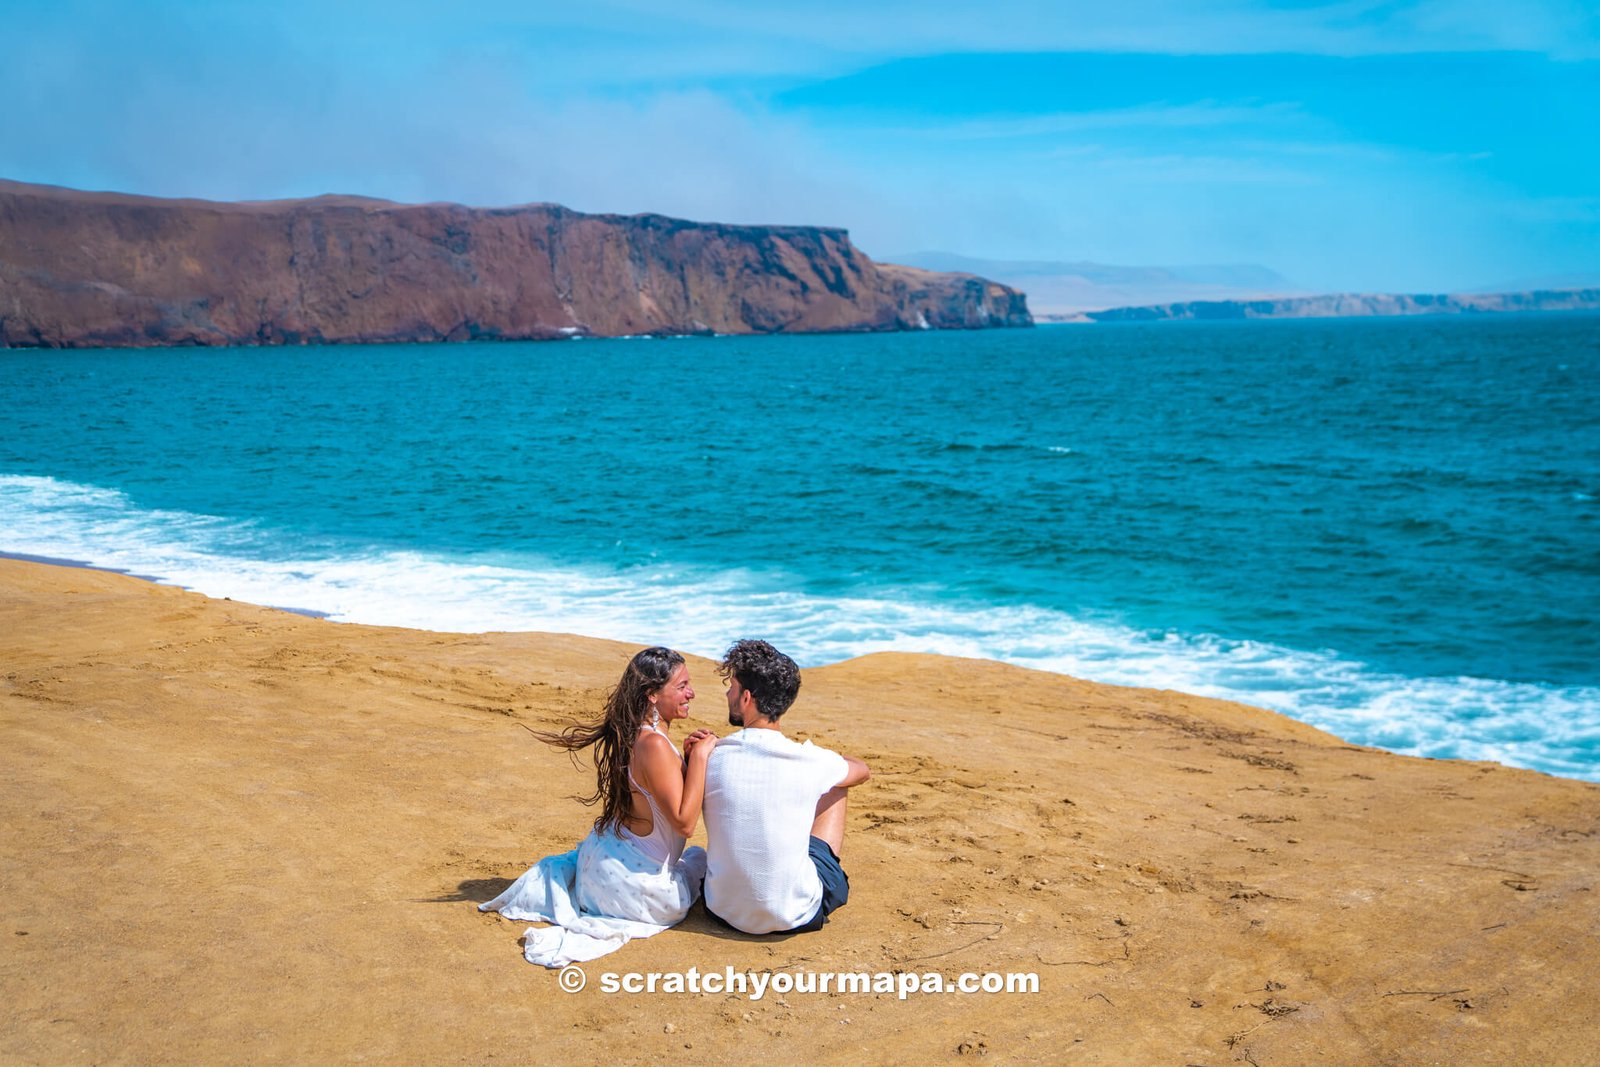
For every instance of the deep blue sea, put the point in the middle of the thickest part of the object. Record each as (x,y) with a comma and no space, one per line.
(1388,528)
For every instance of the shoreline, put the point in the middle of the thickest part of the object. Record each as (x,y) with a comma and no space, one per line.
(287,826)
(79,564)
(1110,654)
(310,613)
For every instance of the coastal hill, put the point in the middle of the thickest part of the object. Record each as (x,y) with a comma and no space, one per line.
(92,269)
(1355,305)
(235,834)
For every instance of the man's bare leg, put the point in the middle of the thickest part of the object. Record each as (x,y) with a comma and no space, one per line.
(829,823)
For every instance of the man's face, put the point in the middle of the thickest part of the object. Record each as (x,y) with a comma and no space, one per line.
(736,694)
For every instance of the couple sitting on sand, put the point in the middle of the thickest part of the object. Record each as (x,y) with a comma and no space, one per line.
(774,812)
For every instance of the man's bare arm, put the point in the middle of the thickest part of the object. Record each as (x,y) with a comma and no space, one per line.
(857,773)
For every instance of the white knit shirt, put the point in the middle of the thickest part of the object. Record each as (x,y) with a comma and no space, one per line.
(761,799)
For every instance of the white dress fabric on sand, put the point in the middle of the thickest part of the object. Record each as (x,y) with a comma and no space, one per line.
(601,895)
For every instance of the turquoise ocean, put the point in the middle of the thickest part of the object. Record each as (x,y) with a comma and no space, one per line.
(1388,528)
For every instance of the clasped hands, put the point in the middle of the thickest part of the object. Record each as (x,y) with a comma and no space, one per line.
(695,740)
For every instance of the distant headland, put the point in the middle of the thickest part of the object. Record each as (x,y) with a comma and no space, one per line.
(1083,291)
(83,269)
(1343,305)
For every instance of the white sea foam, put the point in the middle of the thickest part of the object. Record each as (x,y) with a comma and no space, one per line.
(1554,729)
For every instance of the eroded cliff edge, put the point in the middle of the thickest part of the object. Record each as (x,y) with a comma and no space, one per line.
(88,269)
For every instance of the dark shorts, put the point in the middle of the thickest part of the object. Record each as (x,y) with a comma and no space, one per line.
(835,886)
(835,889)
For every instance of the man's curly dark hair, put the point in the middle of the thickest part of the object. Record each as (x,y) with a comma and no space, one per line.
(768,675)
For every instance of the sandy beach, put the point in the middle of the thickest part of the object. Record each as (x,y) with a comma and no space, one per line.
(240,834)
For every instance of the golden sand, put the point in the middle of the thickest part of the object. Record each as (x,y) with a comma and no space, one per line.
(237,834)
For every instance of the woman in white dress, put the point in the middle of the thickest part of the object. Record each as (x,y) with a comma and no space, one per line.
(631,877)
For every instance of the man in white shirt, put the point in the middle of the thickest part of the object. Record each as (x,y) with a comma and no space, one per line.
(774,809)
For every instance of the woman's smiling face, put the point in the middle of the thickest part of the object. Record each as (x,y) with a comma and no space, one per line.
(671,701)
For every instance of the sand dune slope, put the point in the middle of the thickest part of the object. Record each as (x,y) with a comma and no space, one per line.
(237,834)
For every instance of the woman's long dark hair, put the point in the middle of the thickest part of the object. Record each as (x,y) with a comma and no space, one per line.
(627,710)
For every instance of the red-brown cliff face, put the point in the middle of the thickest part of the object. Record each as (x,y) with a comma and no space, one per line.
(87,269)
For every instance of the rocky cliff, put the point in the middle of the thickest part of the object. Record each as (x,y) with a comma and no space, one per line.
(90,269)
(1354,305)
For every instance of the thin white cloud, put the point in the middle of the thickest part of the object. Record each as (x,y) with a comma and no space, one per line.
(1199,115)
(1564,28)
(1146,169)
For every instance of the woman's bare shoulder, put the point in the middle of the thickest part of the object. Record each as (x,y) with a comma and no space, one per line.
(649,743)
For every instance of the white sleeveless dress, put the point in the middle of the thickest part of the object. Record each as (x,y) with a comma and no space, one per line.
(610,889)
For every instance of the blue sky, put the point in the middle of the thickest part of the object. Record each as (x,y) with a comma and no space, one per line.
(1429,145)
